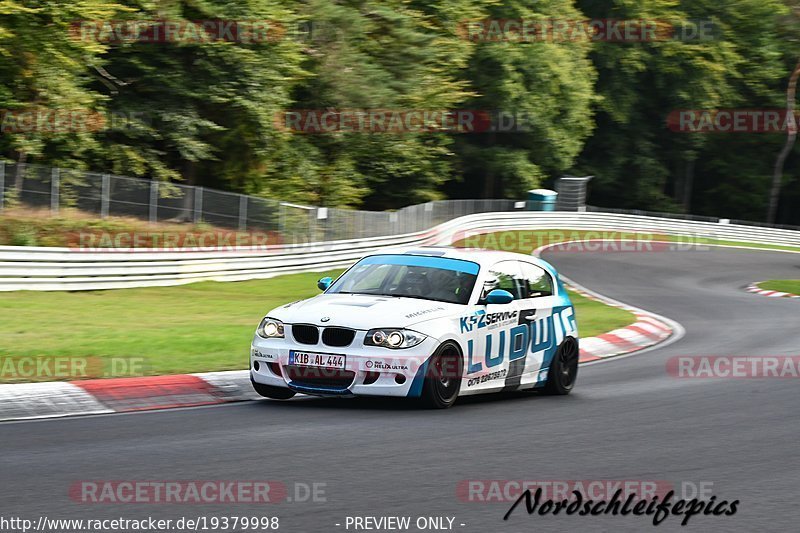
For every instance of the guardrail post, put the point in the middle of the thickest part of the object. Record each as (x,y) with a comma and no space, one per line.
(2,182)
(282,222)
(153,201)
(198,205)
(55,178)
(428,216)
(242,212)
(322,221)
(105,195)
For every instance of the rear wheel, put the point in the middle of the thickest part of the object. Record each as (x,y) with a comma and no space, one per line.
(564,368)
(276,393)
(443,378)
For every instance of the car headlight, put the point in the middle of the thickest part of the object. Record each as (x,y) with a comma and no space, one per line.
(270,329)
(393,338)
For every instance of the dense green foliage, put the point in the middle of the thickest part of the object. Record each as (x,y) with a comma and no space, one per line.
(209,112)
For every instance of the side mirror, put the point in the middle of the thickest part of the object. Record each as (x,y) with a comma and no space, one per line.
(499,296)
(324,283)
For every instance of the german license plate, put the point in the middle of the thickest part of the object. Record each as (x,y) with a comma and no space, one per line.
(321,360)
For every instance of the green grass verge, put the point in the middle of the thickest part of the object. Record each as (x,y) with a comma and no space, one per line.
(791,286)
(198,327)
(748,244)
(595,318)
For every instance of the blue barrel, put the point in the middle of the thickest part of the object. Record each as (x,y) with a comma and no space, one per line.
(542,200)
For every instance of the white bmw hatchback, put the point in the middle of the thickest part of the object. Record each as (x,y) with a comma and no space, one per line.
(432,324)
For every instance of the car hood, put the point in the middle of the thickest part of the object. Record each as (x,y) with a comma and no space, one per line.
(359,311)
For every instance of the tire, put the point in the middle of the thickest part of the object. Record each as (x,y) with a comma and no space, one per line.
(276,393)
(564,369)
(442,378)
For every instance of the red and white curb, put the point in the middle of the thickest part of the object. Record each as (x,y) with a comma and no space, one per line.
(648,331)
(121,395)
(754,288)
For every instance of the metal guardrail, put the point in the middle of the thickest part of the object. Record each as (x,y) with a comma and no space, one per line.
(685,216)
(52,269)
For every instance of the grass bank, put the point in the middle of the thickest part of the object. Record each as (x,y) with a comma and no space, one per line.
(791,286)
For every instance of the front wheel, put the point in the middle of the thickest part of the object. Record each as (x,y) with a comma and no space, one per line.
(564,368)
(276,393)
(442,378)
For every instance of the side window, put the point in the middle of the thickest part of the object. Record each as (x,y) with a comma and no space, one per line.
(504,275)
(537,282)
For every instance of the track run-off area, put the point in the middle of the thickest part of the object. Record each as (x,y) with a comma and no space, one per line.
(627,419)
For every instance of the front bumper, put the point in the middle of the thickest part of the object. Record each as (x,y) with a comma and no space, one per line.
(369,370)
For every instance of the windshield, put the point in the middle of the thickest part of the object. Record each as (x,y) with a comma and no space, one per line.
(412,276)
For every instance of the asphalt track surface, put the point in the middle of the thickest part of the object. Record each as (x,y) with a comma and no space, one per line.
(626,420)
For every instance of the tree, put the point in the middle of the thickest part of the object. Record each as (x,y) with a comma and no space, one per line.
(46,71)
(640,164)
(370,55)
(207,103)
(546,85)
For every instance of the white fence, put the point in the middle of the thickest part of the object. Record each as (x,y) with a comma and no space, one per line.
(51,269)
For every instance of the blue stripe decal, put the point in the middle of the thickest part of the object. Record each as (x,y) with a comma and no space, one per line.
(444,263)
(415,391)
